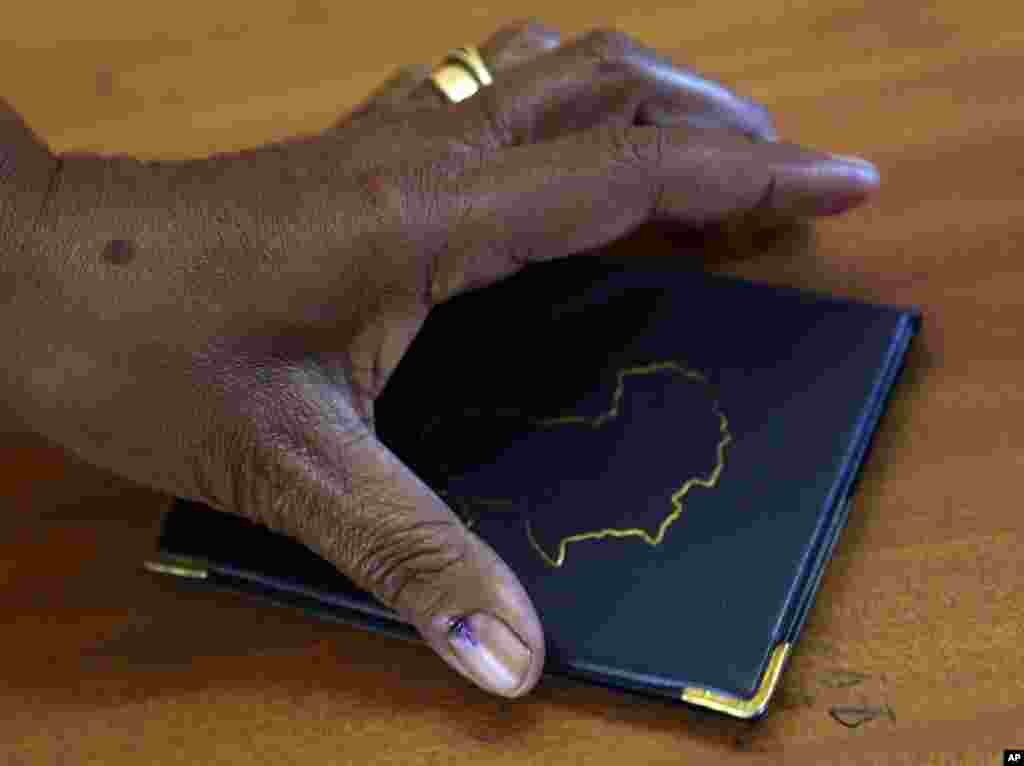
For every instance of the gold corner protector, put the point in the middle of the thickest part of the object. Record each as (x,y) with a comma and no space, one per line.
(739,707)
(179,566)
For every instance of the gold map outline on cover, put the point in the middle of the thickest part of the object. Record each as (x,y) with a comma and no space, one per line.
(470,508)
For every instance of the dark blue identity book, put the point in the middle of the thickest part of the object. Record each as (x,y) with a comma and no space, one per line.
(665,458)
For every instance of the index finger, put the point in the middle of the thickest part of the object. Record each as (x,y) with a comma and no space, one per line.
(537,202)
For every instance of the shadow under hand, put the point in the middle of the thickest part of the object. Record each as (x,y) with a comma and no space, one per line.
(515,362)
(713,246)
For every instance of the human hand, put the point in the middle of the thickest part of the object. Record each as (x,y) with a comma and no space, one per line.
(220,328)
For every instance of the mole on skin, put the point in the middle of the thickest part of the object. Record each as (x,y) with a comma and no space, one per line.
(119,251)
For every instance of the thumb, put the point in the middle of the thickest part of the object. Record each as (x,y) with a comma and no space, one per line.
(345,495)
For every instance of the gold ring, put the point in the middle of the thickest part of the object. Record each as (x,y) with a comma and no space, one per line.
(461,74)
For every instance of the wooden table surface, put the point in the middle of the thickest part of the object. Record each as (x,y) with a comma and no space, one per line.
(919,620)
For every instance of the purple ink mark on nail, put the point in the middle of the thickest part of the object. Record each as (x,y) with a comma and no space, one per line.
(460,630)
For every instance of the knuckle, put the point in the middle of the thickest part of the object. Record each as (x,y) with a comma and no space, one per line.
(529,30)
(496,129)
(404,563)
(637,145)
(270,485)
(524,27)
(235,472)
(608,46)
(259,454)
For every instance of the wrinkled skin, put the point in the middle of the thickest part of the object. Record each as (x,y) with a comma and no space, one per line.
(219,328)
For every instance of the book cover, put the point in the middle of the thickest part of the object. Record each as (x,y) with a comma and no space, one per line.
(664,457)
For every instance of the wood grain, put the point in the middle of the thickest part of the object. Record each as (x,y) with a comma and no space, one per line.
(915,650)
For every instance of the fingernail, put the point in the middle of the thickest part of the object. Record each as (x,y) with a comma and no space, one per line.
(863,171)
(849,158)
(490,651)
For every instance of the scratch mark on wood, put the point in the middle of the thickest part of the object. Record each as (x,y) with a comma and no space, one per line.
(841,679)
(852,716)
